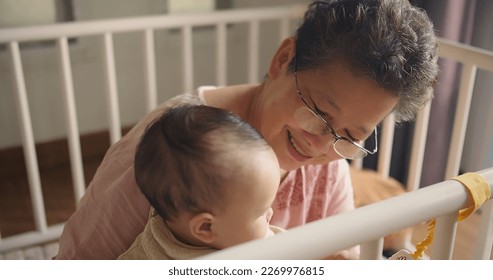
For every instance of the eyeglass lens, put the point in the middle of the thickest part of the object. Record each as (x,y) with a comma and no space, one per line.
(311,123)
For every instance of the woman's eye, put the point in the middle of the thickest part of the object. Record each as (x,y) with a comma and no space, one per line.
(319,111)
(324,115)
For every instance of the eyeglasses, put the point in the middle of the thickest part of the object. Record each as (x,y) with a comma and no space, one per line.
(311,121)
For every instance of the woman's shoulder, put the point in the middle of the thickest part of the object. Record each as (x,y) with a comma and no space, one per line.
(193,98)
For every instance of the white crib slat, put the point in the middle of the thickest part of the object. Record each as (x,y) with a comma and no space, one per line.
(483,248)
(34,253)
(15,255)
(150,70)
(72,127)
(27,139)
(418,149)
(445,231)
(357,163)
(53,232)
(463,53)
(371,250)
(386,143)
(221,54)
(460,121)
(51,250)
(111,88)
(253,47)
(187,58)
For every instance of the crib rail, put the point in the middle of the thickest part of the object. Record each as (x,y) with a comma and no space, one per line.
(324,237)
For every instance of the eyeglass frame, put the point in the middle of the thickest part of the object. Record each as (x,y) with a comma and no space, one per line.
(331,130)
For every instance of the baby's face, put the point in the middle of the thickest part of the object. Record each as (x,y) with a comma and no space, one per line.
(248,210)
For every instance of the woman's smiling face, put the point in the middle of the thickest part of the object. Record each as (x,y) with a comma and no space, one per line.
(352,105)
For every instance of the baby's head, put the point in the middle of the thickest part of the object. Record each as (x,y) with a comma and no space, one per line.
(209,175)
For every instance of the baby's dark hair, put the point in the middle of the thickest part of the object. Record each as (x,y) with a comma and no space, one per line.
(388,41)
(181,162)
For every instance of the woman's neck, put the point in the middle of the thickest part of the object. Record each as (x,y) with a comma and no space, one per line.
(237,99)
(284,174)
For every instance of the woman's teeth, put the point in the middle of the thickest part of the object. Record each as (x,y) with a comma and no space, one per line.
(296,147)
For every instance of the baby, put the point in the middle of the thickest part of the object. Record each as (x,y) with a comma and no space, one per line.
(210,178)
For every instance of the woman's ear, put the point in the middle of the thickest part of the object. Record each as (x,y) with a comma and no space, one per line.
(200,227)
(282,57)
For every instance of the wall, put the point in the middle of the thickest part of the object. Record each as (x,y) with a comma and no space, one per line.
(44,90)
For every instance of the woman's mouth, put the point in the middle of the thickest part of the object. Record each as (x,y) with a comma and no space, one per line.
(296,151)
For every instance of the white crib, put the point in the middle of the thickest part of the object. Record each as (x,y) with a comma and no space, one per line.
(365,226)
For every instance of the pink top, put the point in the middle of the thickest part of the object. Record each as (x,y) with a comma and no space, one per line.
(311,193)
(113,211)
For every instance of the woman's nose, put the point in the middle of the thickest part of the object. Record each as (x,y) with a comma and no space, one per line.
(319,144)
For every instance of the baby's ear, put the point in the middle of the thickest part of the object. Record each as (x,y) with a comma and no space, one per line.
(201,227)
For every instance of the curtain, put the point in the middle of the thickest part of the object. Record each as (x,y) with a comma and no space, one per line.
(453,19)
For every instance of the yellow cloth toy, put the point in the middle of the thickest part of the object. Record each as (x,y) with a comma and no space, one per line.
(479,191)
